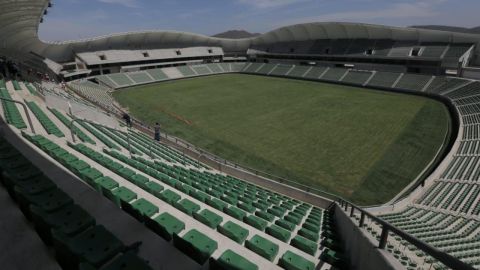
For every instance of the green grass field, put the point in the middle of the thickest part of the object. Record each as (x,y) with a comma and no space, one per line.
(361,144)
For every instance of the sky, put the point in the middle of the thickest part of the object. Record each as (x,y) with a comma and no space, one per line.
(78,19)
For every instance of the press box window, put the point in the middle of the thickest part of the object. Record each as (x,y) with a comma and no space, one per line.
(416,51)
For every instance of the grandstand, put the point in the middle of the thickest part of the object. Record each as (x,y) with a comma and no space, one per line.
(117,199)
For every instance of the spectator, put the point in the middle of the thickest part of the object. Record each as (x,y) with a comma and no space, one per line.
(157,132)
(128,120)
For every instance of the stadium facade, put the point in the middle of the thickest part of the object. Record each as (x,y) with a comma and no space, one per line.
(433,223)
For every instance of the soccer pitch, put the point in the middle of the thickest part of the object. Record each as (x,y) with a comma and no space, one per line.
(364,145)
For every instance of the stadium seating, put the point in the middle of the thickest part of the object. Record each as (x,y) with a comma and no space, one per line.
(191,188)
(157,74)
(315,73)
(413,82)
(299,71)
(94,93)
(140,77)
(44,120)
(281,70)
(63,225)
(334,74)
(433,50)
(357,77)
(384,79)
(10,110)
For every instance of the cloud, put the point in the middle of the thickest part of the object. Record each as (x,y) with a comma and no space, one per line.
(127,3)
(270,3)
(421,9)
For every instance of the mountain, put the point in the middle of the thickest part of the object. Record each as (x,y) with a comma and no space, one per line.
(236,34)
(474,30)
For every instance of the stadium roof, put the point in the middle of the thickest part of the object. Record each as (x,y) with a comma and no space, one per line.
(20,21)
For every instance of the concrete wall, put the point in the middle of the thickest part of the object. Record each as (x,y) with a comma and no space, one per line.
(360,247)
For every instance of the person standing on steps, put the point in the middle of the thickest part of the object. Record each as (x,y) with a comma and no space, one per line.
(157,132)
(128,120)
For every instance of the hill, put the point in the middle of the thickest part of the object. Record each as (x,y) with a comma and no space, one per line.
(474,30)
(236,34)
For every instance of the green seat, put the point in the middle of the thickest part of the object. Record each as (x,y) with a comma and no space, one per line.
(233,231)
(304,244)
(196,245)
(247,207)
(29,185)
(292,261)
(332,258)
(94,246)
(311,227)
(285,224)
(277,211)
(67,159)
(165,225)
(123,194)
(230,260)
(266,216)
(140,180)
(199,195)
(77,166)
(126,173)
(69,220)
(255,222)
(235,212)
(144,207)
(48,201)
(90,175)
(187,206)
(309,234)
(169,196)
(262,247)
(293,219)
(278,232)
(105,184)
(154,188)
(208,218)
(216,203)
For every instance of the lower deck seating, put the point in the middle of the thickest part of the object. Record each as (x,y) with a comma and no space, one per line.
(281,70)
(64,226)
(384,79)
(157,74)
(120,79)
(140,77)
(11,112)
(357,77)
(44,120)
(186,71)
(334,74)
(415,82)
(173,185)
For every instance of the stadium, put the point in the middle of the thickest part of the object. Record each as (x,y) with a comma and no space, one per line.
(322,145)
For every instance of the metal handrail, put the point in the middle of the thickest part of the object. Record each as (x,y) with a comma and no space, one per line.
(24,108)
(445,258)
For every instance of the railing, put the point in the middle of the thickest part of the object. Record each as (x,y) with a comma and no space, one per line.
(445,258)
(181,144)
(24,108)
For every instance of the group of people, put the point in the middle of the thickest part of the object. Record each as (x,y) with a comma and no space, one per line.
(156,128)
(8,68)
